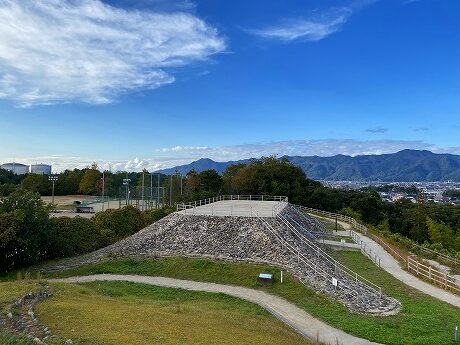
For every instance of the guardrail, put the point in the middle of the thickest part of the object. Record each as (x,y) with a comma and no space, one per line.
(432,275)
(329,259)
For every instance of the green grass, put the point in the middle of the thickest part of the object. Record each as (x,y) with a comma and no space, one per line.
(126,313)
(422,321)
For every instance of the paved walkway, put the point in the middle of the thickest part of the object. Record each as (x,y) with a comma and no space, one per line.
(285,311)
(392,266)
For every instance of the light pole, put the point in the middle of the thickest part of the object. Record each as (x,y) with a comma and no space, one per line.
(53,179)
(143,178)
(126,182)
(103,188)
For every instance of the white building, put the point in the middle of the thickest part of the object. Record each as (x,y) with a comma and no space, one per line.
(40,169)
(17,168)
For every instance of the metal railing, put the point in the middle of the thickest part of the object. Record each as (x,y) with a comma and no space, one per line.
(329,259)
(414,266)
(358,226)
(248,211)
(364,248)
(308,262)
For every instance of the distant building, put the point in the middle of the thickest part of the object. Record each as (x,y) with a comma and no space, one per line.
(40,169)
(16,168)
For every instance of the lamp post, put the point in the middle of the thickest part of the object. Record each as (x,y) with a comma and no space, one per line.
(126,182)
(53,179)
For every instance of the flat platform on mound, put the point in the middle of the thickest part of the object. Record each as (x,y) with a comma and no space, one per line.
(237,208)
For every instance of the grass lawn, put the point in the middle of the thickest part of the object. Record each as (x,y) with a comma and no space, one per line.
(131,314)
(422,321)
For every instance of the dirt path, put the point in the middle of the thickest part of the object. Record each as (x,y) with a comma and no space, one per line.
(392,266)
(285,311)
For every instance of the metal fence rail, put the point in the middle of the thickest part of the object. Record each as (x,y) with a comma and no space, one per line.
(305,260)
(244,211)
(329,259)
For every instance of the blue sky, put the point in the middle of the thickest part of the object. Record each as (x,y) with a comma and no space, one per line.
(153,83)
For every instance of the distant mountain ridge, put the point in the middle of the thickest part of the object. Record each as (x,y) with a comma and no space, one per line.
(402,166)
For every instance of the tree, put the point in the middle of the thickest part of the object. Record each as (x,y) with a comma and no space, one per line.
(37,184)
(77,236)
(35,234)
(89,181)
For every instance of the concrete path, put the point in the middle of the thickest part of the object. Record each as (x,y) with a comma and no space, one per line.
(285,311)
(392,266)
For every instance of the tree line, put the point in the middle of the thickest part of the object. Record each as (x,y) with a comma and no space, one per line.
(28,235)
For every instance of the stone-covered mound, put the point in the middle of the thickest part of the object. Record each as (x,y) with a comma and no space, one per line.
(235,239)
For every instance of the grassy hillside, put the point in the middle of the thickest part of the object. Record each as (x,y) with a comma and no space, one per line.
(121,313)
(422,321)
(125,313)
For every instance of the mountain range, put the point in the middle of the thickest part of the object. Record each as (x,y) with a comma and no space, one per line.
(402,166)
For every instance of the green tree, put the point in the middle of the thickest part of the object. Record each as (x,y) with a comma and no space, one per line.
(77,236)
(37,183)
(88,184)
(35,235)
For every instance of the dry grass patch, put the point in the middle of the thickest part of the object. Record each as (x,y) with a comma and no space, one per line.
(129,313)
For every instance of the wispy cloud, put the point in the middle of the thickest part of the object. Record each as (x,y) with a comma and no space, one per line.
(60,51)
(170,158)
(376,130)
(315,28)
(421,129)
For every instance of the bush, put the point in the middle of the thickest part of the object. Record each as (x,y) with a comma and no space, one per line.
(123,222)
(153,215)
(77,236)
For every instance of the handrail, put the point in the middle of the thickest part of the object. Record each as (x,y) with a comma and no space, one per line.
(375,288)
(202,202)
(358,226)
(304,259)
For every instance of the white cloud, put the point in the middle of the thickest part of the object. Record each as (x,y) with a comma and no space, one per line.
(183,149)
(314,28)
(321,147)
(58,51)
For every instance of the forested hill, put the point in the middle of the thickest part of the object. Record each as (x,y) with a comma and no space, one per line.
(406,165)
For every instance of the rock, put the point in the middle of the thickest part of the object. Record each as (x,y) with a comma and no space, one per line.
(9,315)
(68,342)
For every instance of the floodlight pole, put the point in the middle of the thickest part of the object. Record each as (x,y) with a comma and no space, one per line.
(53,179)
(158,192)
(143,175)
(103,189)
(151,189)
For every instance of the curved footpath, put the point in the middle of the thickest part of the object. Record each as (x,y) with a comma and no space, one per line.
(285,311)
(392,266)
